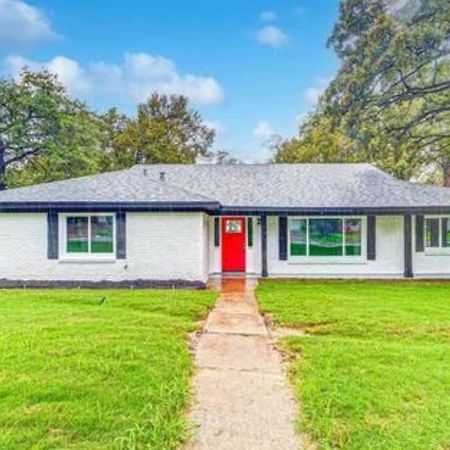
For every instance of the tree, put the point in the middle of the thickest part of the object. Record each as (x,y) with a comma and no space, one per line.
(164,131)
(76,152)
(393,86)
(113,124)
(44,135)
(319,141)
(224,157)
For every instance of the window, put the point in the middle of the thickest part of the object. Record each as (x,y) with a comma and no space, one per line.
(353,237)
(89,234)
(325,237)
(437,232)
(299,237)
(77,234)
(233,226)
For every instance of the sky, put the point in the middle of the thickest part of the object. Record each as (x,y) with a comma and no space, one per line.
(253,68)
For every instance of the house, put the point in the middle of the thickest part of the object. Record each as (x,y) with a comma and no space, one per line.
(181,224)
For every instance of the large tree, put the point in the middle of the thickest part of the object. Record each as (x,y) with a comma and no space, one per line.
(165,130)
(44,134)
(392,92)
(318,141)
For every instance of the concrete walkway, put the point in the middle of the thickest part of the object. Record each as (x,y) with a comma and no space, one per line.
(242,397)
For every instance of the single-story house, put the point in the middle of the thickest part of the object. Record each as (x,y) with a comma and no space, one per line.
(160,223)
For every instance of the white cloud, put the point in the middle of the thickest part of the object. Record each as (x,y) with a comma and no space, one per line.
(268,16)
(313,93)
(272,36)
(263,131)
(138,75)
(22,24)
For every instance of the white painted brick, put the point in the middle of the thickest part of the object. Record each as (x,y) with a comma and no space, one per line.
(159,246)
(181,246)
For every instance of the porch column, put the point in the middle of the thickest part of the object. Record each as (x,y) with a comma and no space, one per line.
(264,270)
(407,232)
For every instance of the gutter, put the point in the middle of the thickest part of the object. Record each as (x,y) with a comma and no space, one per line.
(214,208)
(21,207)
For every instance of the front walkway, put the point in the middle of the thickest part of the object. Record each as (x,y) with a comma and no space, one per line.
(242,397)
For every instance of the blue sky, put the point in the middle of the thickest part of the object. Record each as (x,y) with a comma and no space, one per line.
(251,67)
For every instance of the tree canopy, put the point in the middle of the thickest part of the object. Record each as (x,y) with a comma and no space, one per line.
(44,134)
(165,130)
(391,96)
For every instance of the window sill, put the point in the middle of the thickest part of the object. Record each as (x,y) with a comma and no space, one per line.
(440,252)
(325,261)
(87,260)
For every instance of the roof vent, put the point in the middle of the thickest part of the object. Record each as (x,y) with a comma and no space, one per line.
(144,171)
(162,176)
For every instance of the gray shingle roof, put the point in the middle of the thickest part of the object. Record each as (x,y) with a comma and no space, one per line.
(260,185)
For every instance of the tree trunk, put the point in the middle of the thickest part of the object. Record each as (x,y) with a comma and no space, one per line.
(446,175)
(3,185)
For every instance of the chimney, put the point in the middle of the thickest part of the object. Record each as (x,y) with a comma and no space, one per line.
(162,176)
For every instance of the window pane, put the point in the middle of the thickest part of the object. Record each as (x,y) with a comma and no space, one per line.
(446,232)
(353,237)
(432,233)
(325,237)
(298,237)
(233,226)
(77,235)
(102,234)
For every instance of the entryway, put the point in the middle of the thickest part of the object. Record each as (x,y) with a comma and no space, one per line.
(233,244)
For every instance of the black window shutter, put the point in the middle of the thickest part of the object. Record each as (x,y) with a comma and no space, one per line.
(282,237)
(216,231)
(121,235)
(250,231)
(444,231)
(371,238)
(420,223)
(52,236)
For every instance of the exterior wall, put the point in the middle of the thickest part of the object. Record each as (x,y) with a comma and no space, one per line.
(159,247)
(252,256)
(169,246)
(389,261)
(428,264)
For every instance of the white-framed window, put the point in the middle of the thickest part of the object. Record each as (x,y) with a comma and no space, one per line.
(327,238)
(88,235)
(437,233)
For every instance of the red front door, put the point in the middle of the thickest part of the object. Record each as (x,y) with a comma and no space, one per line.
(233,244)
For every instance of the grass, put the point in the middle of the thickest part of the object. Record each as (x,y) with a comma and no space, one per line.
(373,370)
(84,369)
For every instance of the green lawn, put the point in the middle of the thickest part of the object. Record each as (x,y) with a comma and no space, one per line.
(373,371)
(86,369)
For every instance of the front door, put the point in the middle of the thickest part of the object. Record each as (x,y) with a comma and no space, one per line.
(233,244)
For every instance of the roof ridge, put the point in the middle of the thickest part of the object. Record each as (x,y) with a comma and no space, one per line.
(135,166)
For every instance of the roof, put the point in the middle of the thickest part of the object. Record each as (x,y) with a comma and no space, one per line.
(232,187)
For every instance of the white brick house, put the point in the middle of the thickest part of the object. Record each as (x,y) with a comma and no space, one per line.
(181,224)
